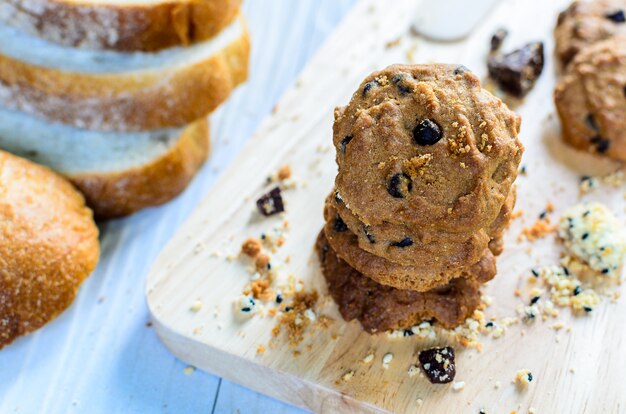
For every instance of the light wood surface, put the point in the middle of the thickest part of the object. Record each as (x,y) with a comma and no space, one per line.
(299,134)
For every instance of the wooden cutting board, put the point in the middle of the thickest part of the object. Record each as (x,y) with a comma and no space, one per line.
(575,372)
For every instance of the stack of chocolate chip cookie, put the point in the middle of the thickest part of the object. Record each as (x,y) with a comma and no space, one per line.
(424,191)
(591,96)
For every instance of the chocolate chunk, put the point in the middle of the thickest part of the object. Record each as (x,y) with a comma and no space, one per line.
(398,80)
(616,16)
(368,86)
(461,69)
(498,38)
(438,364)
(344,143)
(602,144)
(399,185)
(338,198)
(339,225)
(324,253)
(427,132)
(517,72)
(591,122)
(368,234)
(406,242)
(271,203)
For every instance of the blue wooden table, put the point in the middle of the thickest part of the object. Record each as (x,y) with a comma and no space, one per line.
(101,356)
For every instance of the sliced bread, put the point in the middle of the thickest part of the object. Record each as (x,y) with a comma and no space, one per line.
(125,25)
(119,173)
(113,91)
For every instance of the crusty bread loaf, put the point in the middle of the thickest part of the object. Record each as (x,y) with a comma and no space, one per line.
(119,173)
(113,91)
(48,245)
(125,25)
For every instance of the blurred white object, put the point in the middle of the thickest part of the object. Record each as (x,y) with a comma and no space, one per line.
(449,20)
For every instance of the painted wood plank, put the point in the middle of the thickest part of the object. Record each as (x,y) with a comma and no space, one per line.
(99,356)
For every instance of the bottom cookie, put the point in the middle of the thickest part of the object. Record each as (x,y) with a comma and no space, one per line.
(379,308)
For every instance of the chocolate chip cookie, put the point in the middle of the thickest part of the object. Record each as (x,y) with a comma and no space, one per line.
(591,99)
(415,277)
(584,23)
(425,146)
(413,246)
(380,308)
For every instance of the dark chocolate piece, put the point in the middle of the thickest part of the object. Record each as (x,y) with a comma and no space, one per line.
(461,69)
(427,132)
(517,72)
(438,364)
(406,242)
(591,122)
(399,185)
(344,143)
(271,203)
(398,80)
(616,16)
(368,86)
(498,38)
(368,234)
(339,225)
(602,144)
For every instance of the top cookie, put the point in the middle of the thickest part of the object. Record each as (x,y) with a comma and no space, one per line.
(586,22)
(425,145)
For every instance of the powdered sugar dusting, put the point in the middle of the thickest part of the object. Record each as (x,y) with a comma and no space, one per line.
(81,26)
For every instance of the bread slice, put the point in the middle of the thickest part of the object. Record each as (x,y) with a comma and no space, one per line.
(124,25)
(119,173)
(113,91)
(48,246)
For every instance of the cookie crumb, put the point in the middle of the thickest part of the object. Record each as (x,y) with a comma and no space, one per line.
(368,358)
(196,306)
(347,376)
(284,172)
(458,386)
(393,43)
(523,378)
(245,306)
(262,262)
(295,317)
(592,234)
(251,247)
(260,289)
(387,358)
(540,229)
(260,350)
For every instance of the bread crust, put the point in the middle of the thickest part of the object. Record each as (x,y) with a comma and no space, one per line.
(131,101)
(123,27)
(48,245)
(123,193)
